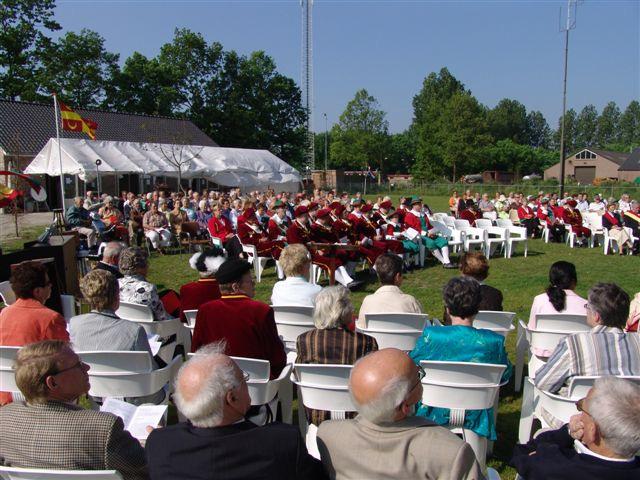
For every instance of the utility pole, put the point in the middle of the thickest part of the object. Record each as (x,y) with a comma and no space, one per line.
(326,142)
(307,79)
(569,25)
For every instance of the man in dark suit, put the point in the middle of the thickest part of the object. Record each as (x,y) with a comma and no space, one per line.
(601,442)
(217,442)
(247,326)
(50,431)
(110,258)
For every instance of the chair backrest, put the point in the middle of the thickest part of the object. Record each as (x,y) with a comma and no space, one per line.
(461,224)
(483,223)
(594,220)
(117,361)
(402,339)
(14,473)
(492,320)
(256,368)
(135,312)
(191,315)
(490,215)
(7,293)
(396,321)
(441,227)
(545,339)
(449,221)
(460,385)
(578,387)
(7,375)
(292,321)
(324,387)
(504,223)
(68,306)
(562,322)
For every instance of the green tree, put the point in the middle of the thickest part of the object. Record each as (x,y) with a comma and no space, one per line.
(587,127)
(521,159)
(569,132)
(508,120)
(630,125)
(78,68)
(401,152)
(319,139)
(428,106)
(464,135)
(608,125)
(23,24)
(538,131)
(360,137)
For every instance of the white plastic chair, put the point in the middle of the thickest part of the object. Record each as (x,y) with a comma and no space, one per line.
(127,374)
(395,330)
(610,243)
(68,306)
(7,374)
(515,234)
(495,236)
(474,237)
(594,223)
(321,387)
(257,261)
(462,386)
(292,321)
(6,293)
(454,237)
(191,315)
(14,473)
(499,322)
(449,221)
(563,322)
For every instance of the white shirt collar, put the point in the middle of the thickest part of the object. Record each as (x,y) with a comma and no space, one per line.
(581,448)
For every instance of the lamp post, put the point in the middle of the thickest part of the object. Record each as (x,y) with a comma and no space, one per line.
(98,163)
(326,142)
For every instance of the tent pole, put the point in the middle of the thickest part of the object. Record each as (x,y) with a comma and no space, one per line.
(55,109)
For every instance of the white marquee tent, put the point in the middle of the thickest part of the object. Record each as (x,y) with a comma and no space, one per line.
(230,167)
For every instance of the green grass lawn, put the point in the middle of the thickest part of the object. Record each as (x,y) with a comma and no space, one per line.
(519,278)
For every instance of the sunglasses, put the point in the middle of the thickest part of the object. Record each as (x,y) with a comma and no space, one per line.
(580,406)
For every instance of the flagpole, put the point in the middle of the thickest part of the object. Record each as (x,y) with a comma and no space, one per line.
(55,108)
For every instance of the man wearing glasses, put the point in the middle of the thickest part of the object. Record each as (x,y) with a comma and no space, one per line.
(50,431)
(218,442)
(386,440)
(605,350)
(600,442)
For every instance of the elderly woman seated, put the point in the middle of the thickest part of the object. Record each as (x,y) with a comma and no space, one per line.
(331,342)
(134,288)
(461,342)
(102,329)
(601,441)
(295,289)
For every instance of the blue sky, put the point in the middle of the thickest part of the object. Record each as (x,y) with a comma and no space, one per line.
(497,48)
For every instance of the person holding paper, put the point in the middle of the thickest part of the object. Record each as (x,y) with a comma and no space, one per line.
(50,431)
(102,329)
(217,442)
(438,246)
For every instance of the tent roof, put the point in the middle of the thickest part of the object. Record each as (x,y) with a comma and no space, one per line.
(225,166)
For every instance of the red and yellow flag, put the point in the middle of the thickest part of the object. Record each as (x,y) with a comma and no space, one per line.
(73,122)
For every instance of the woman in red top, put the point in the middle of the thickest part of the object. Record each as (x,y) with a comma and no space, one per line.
(206,288)
(220,227)
(612,221)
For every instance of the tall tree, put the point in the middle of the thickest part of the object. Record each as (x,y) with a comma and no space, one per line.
(587,127)
(464,136)
(538,131)
(428,106)
(569,132)
(608,125)
(401,153)
(630,125)
(23,24)
(360,137)
(508,120)
(78,68)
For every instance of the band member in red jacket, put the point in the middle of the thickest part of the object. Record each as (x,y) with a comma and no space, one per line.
(250,233)
(547,216)
(300,232)
(220,227)
(471,213)
(572,217)
(277,228)
(528,218)
(431,239)
(247,326)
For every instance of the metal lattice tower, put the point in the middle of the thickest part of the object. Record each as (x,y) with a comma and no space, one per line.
(307,79)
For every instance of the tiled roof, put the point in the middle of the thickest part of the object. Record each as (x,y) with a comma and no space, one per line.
(615,157)
(25,127)
(633,162)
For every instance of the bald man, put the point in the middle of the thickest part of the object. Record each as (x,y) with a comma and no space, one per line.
(386,440)
(217,442)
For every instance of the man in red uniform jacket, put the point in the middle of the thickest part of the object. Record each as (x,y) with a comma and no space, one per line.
(572,217)
(220,227)
(194,294)
(277,228)
(528,218)
(250,233)
(247,326)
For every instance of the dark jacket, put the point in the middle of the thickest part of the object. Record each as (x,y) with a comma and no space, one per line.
(555,458)
(239,451)
(491,299)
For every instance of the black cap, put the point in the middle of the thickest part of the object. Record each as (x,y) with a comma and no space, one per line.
(232,270)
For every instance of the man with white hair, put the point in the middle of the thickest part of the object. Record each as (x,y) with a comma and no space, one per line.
(217,442)
(79,220)
(110,258)
(602,441)
(386,440)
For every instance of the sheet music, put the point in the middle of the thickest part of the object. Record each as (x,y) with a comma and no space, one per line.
(155,343)
(135,419)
